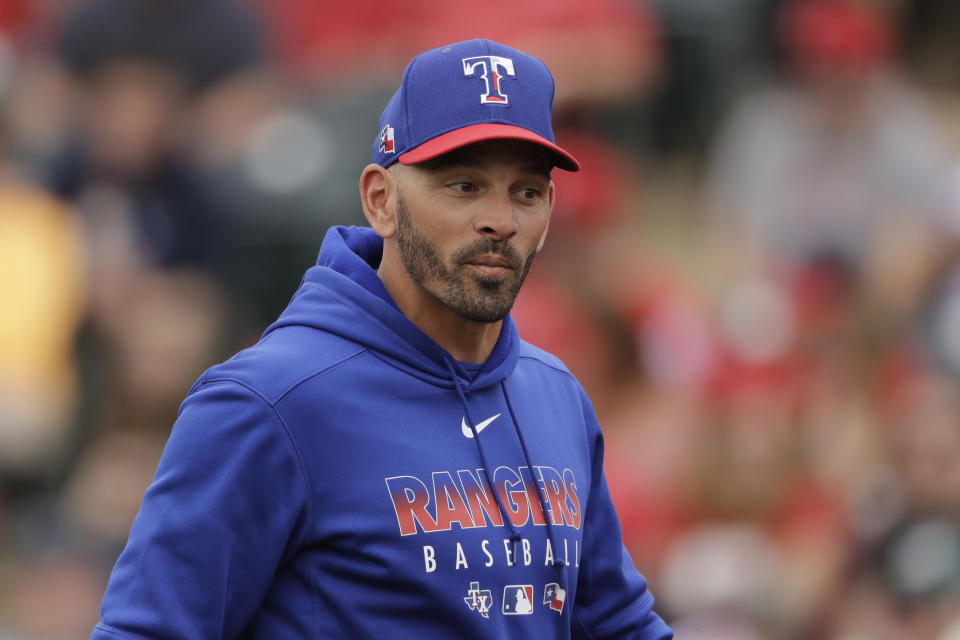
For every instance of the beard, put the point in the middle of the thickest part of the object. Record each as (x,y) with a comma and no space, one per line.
(465,292)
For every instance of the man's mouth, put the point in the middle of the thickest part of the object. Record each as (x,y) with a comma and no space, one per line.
(490,265)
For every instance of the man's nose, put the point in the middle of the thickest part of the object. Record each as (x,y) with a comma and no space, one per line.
(498,218)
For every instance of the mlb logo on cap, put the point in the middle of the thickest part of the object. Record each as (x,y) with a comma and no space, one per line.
(464,93)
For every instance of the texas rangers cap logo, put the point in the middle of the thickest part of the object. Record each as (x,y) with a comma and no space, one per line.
(491,69)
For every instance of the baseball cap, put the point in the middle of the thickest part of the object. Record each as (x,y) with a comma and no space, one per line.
(468,92)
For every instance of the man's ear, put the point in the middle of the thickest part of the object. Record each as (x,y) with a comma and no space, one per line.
(378,191)
(551,198)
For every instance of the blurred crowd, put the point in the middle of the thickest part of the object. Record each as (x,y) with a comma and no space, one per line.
(756,275)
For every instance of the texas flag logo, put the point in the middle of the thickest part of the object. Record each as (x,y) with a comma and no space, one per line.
(386,139)
(554,596)
(492,70)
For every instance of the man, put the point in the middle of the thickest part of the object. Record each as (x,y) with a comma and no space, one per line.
(390,459)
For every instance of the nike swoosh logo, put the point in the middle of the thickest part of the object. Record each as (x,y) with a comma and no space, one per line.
(465,428)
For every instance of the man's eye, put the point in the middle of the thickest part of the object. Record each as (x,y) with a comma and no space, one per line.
(464,187)
(529,193)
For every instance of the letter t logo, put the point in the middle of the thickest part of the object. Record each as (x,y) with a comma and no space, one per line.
(492,69)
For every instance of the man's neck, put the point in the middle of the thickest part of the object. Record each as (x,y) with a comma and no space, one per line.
(466,340)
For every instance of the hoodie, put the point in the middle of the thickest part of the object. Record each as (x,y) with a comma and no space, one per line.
(347,478)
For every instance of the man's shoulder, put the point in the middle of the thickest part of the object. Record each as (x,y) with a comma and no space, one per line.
(282,359)
(530,352)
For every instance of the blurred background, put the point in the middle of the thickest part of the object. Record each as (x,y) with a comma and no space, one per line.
(756,275)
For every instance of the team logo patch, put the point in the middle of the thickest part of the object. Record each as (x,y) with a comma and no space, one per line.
(518,599)
(492,69)
(479,600)
(554,596)
(386,139)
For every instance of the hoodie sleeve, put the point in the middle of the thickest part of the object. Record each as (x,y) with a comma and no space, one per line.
(227,505)
(612,599)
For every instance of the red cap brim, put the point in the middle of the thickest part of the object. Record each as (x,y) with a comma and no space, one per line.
(479,132)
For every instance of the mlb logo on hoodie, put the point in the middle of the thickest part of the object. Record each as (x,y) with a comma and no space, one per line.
(518,599)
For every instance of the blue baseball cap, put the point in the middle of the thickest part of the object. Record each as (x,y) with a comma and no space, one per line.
(464,93)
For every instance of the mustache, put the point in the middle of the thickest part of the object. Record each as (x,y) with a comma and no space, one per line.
(485,246)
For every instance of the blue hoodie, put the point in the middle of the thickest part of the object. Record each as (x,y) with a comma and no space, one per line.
(334,481)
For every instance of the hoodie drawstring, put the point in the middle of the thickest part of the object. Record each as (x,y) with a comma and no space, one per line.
(514,535)
(557,562)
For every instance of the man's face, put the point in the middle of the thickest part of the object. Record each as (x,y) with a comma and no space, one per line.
(470,223)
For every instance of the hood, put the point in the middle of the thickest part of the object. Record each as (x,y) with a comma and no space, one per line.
(342,294)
